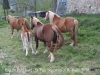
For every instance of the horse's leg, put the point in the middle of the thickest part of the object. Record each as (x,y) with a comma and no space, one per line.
(31,45)
(51,55)
(71,35)
(45,51)
(12,30)
(26,46)
(23,45)
(23,42)
(17,33)
(36,40)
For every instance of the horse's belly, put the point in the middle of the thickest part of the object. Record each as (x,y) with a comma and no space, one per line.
(16,26)
(63,29)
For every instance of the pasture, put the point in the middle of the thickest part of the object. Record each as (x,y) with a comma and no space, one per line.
(76,60)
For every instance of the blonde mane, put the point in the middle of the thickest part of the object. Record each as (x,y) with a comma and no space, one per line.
(51,16)
(35,20)
(11,18)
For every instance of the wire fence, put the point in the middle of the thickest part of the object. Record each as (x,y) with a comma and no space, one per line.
(32,7)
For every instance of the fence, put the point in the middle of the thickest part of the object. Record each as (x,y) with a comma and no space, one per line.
(29,7)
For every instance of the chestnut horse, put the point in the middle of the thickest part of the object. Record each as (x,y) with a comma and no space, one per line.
(16,23)
(26,37)
(49,34)
(68,24)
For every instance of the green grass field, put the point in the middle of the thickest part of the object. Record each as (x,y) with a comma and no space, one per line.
(77,60)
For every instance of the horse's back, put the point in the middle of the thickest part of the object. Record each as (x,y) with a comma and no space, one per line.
(70,22)
(48,33)
(23,21)
(38,32)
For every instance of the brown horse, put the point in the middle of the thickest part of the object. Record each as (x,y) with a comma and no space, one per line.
(26,37)
(69,24)
(16,23)
(49,34)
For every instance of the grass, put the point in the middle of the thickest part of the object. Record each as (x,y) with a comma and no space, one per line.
(69,60)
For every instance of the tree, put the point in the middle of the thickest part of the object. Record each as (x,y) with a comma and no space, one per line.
(6,4)
(5,7)
(23,5)
(54,5)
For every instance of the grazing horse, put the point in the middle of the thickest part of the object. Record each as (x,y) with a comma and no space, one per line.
(68,24)
(16,23)
(26,37)
(49,34)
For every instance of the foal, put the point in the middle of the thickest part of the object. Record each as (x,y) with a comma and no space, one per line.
(26,37)
(49,34)
(16,23)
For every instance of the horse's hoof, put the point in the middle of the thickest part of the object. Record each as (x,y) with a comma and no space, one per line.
(49,56)
(36,52)
(33,53)
(45,51)
(52,60)
(11,37)
(71,44)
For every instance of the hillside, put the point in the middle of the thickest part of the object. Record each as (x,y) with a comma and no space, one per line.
(77,60)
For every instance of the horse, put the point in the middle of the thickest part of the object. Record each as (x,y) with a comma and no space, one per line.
(49,34)
(26,36)
(16,23)
(68,24)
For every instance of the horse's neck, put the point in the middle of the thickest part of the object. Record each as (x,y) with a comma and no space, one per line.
(24,28)
(39,24)
(56,19)
(13,19)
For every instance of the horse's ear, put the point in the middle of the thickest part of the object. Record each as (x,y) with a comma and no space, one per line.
(47,11)
(31,17)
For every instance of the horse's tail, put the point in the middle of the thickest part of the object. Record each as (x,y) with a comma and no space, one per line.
(60,38)
(28,36)
(27,24)
(75,31)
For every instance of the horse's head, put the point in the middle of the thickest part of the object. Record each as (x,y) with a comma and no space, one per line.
(49,16)
(7,19)
(33,22)
(10,18)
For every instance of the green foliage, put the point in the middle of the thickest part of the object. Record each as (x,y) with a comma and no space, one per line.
(44,5)
(3,23)
(6,4)
(2,70)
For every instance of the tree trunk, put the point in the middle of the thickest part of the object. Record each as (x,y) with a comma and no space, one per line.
(54,5)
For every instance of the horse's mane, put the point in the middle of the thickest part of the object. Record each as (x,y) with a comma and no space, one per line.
(11,18)
(51,15)
(36,21)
